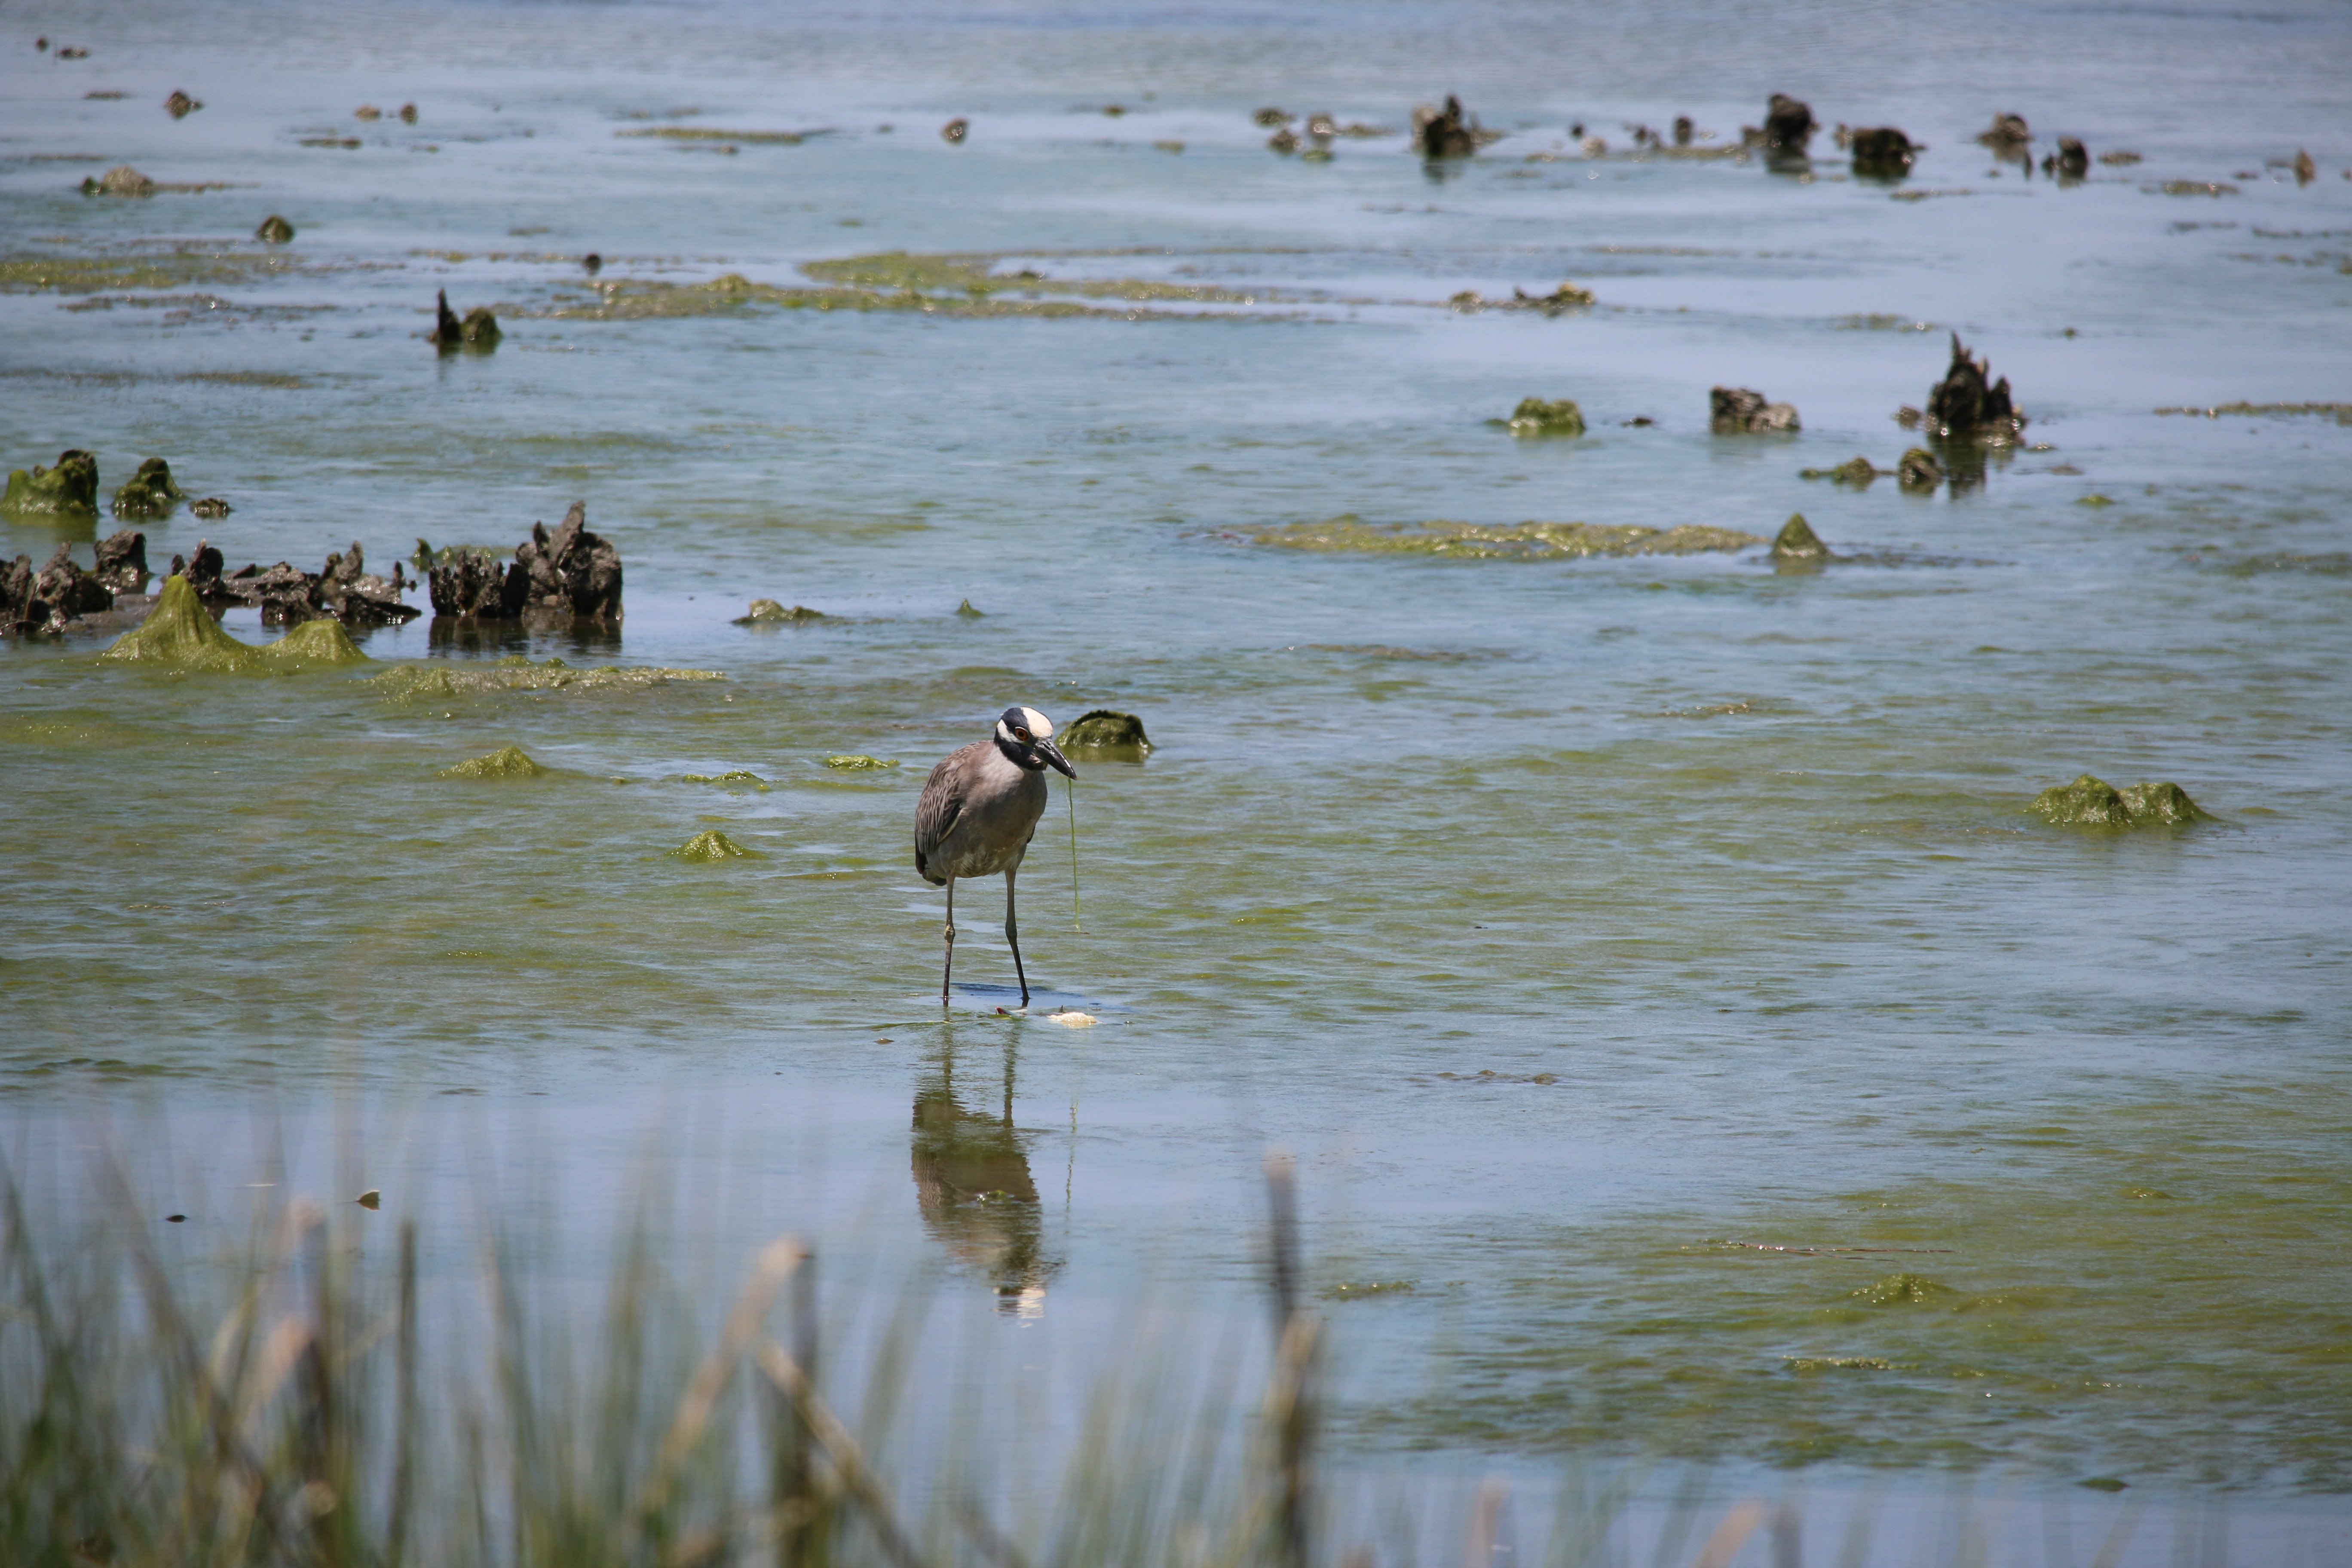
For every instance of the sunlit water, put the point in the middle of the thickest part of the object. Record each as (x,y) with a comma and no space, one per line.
(1571,919)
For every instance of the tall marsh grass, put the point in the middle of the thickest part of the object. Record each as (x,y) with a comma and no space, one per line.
(301,1398)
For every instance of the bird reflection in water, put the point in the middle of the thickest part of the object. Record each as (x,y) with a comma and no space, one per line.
(972,1183)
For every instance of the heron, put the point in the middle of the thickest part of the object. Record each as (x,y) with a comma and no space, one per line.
(980,808)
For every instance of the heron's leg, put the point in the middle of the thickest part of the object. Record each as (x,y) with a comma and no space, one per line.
(948,967)
(1013,935)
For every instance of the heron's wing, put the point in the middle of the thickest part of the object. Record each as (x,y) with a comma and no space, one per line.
(942,803)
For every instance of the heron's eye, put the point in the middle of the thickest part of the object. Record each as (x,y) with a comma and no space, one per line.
(1019,733)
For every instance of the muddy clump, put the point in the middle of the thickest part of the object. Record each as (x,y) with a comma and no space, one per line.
(1787,128)
(1883,152)
(1448,130)
(1534,416)
(2007,138)
(274,230)
(1797,543)
(69,490)
(122,180)
(477,332)
(2089,802)
(506,762)
(1738,411)
(570,575)
(122,563)
(1968,405)
(771,612)
(149,494)
(2070,163)
(1918,470)
(1105,735)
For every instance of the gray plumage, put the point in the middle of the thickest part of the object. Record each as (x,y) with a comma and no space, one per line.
(979,809)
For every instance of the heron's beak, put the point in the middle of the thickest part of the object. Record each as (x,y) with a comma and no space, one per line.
(1052,754)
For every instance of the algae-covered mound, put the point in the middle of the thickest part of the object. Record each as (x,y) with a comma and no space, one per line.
(122,180)
(2089,802)
(416,683)
(711,846)
(1904,1290)
(148,494)
(1798,542)
(856,763)
(1918,470)
(69,490)
(180,634)
(742,777)
(506,762)
(1104,733)
(313,645)
(1534,416)
(274,230)
(771,612)
(1856,471)
(1490,541)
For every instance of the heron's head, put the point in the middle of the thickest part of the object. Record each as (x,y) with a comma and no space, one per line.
(1027,736)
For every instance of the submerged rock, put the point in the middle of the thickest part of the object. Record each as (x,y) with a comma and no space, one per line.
(274,230)
(1738,411)
(179,106)
(1856,471)
(858,762)
(1788,123)
(477,332)
(506,762)
(122,180)
(209,507)
(1444,132)
(771,612)
(69,490)
(1104,733)
(1883,152)
(1968,405)
(1271,117)
(2089,802)
(122,562)
(1918,470)
(955,131)
(1534,416)
(711,846)
(1798,542)
(2305,171)
(1285,142)
(149,493)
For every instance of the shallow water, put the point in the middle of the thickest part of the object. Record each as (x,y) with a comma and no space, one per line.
(1724,874)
